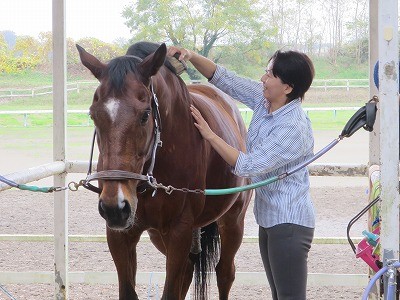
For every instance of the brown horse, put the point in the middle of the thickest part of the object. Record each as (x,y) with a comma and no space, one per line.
(139,105)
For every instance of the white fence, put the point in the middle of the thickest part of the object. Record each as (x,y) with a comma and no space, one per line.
(45,90)
(245,278)
(340,83)
(244,111)
(77,86)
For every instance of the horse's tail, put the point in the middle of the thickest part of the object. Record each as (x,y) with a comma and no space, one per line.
(206,260)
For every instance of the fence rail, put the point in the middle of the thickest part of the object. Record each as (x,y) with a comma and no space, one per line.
(246,278)
(44,90)
(26,113)
(78,85)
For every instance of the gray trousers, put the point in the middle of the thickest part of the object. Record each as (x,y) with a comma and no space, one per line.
(284,251)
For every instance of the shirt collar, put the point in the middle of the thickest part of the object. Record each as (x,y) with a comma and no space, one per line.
(284,109)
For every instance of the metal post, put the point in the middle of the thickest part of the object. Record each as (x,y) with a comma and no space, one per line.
(59,150)
(389,130)
(374,147)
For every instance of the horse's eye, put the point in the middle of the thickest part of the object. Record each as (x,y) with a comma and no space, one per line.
(145,117)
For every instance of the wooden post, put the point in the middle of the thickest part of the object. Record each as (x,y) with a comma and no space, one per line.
(59,150)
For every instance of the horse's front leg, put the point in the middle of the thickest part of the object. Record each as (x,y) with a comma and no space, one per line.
(122,246)
(179,242)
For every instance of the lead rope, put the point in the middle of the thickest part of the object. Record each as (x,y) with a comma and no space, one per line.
(32,188)
(8,294)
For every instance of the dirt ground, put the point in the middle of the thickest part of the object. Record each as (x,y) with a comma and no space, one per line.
(336,200)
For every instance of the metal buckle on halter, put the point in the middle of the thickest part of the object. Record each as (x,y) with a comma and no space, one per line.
(153,183)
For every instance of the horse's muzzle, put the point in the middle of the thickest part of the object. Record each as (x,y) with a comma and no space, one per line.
(117,217)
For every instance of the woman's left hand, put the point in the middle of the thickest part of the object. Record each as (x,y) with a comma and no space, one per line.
(201,124)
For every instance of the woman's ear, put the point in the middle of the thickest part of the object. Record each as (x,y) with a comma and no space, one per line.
(288,89)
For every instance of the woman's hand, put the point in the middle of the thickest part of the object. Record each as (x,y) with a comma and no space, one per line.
(227,152)
(201,124)
(183,54)
(204,65)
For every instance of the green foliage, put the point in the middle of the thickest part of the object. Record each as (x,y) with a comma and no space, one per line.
(9,64)
(103,51)
(197,25)
(3,45)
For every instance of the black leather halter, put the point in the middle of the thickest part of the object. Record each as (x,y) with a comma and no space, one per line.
(148,179)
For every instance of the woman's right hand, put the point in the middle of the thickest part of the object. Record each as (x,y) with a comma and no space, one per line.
(204,65)
(184,54)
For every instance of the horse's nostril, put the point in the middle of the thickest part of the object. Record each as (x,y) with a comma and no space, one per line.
(126,209)
(101,208)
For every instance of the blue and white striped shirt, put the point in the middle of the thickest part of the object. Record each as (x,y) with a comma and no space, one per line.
(276,143)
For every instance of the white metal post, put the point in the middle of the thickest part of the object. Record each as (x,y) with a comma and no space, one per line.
(373,58)
(389,129)
(59,149)
(374,145)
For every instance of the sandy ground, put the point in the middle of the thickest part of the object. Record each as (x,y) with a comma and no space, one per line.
(336,200)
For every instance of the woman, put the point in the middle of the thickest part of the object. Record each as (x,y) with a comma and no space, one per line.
(279,138)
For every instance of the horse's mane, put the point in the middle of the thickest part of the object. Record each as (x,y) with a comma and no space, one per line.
(118,67)
(143,49)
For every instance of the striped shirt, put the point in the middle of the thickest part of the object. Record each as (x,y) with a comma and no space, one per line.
(276,142)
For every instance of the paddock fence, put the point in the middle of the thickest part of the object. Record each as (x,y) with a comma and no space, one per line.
(77,86)
(246,114)
(87,277)
(46,90)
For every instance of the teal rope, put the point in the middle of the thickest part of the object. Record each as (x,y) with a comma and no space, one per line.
(215,192)
(35,188)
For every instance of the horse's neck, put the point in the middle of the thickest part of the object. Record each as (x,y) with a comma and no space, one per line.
(174,103)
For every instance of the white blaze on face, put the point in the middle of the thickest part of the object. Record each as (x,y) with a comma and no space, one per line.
(121,197)
(112,106)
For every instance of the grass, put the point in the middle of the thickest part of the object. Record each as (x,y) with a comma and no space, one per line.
(321,120)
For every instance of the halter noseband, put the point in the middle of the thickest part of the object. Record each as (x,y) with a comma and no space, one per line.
(126,175)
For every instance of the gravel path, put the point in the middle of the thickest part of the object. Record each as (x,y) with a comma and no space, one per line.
(336,201)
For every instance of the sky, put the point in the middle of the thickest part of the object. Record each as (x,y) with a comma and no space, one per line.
(84,18)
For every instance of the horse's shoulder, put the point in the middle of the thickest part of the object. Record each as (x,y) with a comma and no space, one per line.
(219,110)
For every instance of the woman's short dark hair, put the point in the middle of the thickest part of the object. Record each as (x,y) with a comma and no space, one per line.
(295,69)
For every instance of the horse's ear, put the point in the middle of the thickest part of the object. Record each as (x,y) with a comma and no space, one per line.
(152,63)
(92,63)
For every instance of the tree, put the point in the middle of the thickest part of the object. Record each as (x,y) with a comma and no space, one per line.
(26,46)
(3,45)
(199,25)
(358,30)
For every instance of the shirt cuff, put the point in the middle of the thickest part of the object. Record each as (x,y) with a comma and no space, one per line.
(219,71)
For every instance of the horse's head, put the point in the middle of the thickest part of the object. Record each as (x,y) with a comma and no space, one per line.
(122,113)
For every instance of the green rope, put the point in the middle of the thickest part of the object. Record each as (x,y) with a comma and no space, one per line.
(214,192)
(35,188)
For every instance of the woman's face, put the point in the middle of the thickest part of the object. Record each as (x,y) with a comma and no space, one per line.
(274,89)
